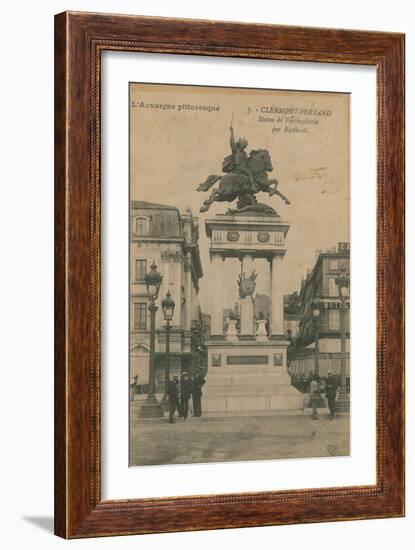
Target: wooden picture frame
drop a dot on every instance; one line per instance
(79, 40)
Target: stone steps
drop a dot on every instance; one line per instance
(281, 397)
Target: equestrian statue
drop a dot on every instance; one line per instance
(244, 177)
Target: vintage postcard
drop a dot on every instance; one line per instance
(239, 274)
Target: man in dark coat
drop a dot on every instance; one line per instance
(173, 394)
(331, 393)
(185, 392)
(197, 395)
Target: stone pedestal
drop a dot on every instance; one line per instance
(232, 333)
(261, 334)
(249, 376)
(247, 372)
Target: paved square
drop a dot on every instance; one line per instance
(213, 439)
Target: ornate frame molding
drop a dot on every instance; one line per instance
(79, 40)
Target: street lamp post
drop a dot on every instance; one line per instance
(168, 309)
(343, 283)
(151, 408)
(316, 314)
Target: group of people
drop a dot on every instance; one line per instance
(317, 388)
(179, 393)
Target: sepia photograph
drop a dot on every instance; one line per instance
(223, 190)
(239, 278)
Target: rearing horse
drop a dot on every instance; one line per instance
(239, 185)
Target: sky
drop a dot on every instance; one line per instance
(179, 135)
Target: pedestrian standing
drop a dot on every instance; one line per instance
(179, 396)
(133, 387)
(185, 393)
(173, 394)
(314, 394)
(197, 395)
(331, 393)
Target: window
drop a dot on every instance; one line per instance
(140, 270)
(334, 319)
(333, 291)
(142, 225)
(344, 264)
(140, 316)
(333, 265)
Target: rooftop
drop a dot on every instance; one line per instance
(135, 205)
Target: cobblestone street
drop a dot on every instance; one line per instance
(213, 439)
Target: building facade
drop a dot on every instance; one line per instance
(320, 283)
(161, 234)
(292, 316)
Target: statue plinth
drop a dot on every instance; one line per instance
(248, 371)
(257, 209)
(249, 376)
(233, 235)
(261, 334)
(231, 332)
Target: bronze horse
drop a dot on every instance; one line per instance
(237, 185)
